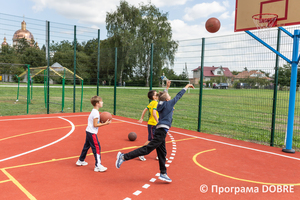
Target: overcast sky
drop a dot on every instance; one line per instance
(187, 17)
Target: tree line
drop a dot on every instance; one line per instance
(131, 30)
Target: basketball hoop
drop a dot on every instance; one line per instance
(264, 21)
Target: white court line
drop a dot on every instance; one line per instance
(152, 180)
(138, 192)
(224, 143)
(3, 120)
(146, 186)
(27, 152)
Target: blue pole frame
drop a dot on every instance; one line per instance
(293, 84)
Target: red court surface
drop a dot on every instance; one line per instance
(39, 152)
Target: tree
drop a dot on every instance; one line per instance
(133, 30)
(235, 72)
(22, 45)
(34, 57)
(155, 28)
(284, 75)
(122, 26)
(8, 55)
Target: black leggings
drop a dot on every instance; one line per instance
(158, 143)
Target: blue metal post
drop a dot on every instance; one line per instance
(290, 123)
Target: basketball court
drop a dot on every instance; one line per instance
(39, 153)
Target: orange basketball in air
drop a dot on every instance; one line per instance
(212, 25)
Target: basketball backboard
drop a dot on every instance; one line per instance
(287, 11)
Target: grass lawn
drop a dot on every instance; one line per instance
(244, 114)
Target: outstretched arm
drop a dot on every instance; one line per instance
(154, 115)
(189, 85)
(179, 95)
(168, 85)
(143, 114)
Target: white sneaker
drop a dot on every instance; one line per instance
(81, 163)
(100, 168)
(164, 177)
(142, 158)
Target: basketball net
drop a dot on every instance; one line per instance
(263, 22)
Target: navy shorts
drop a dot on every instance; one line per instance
(151, 132)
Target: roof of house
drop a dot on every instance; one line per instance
(208, 71)
(247, 74)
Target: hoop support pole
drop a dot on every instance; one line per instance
(292, 99)
(286, 32)
(268, 46)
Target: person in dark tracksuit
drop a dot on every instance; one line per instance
(91, 139)
(165, 109)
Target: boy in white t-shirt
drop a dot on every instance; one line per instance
(91, 139)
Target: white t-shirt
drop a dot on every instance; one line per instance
(90, 128)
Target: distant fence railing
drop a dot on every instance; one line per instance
(251, 107)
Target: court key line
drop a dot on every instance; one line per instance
(90, 154)
(27, 152)
(39, 131)
(231, 177)
(31, 118)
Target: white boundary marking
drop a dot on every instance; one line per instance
(224, 143)
(238, 146)
(3, 120)
(27, 152)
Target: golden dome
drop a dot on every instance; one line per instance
(4, 42)
(22, 33)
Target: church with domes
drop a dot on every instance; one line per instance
(20, 34)
(23, 33)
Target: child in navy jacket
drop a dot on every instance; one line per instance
(165, 109)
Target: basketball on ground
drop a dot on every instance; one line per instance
(212, 25)
(104, 116)
(132, 136)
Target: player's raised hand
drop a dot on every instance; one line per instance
(168, 83)
(189, 86)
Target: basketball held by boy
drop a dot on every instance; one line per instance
(91, 140)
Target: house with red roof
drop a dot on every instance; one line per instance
(251, 74)
(210, 73)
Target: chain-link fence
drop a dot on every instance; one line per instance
(45, 71)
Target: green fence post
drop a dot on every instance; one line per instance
(151, 67)
(201, 85)
(31, 86)
(74, 86)
(45, 91)
(28, 87)
(115, 84)
(98, 62)
(48, 65)
(275, 89)
(18, 87)
(81, 95)
(63, 91)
